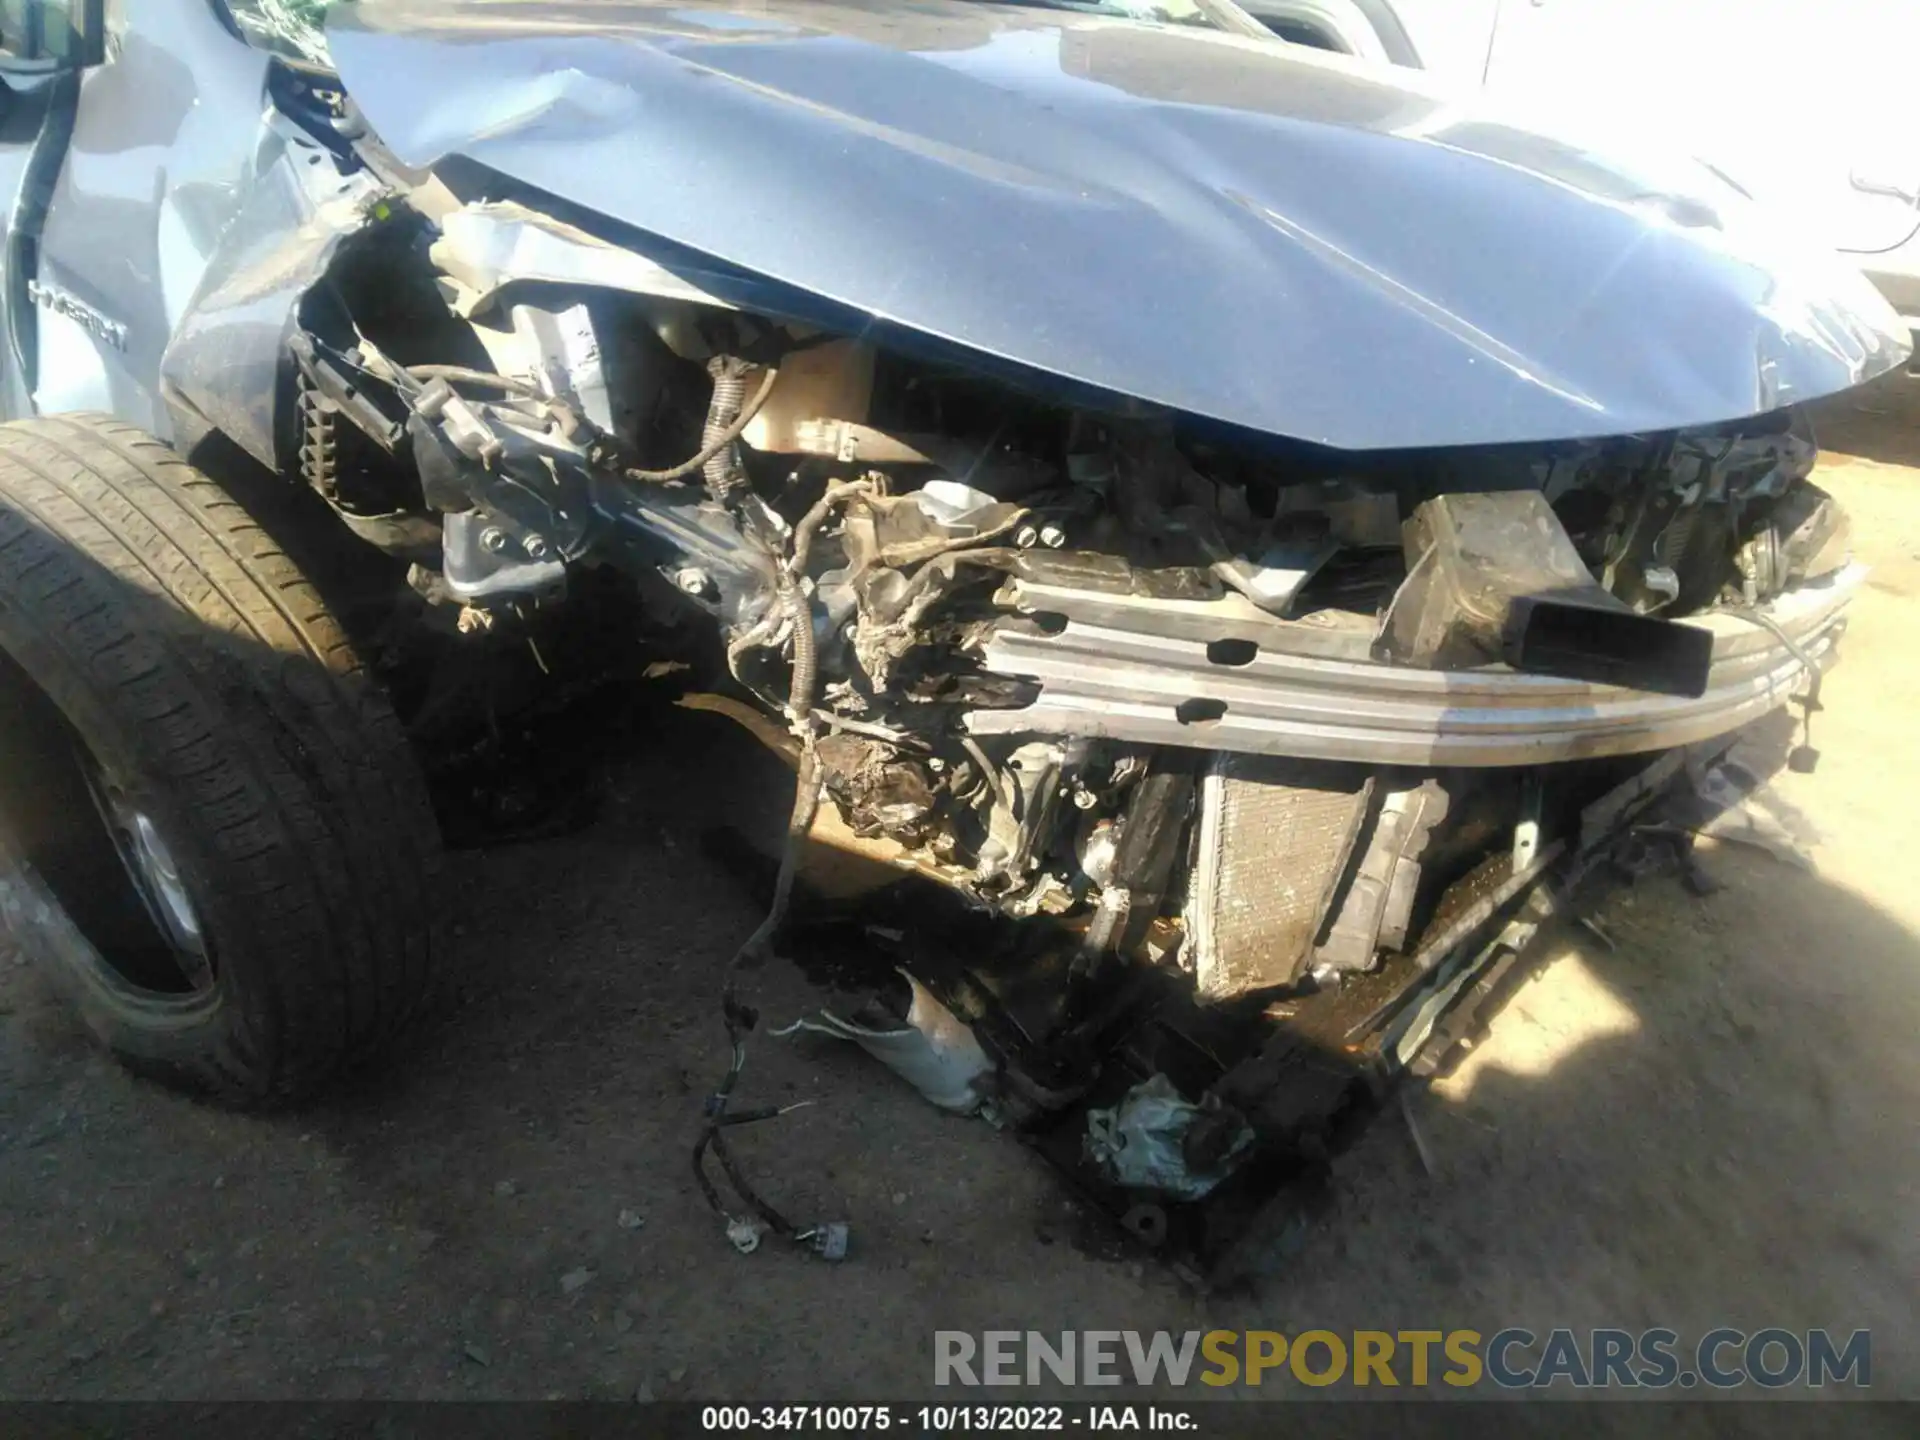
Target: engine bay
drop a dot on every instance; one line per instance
(1243, 746)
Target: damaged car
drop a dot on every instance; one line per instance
(1243, 532)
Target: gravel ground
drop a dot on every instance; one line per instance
(1712, 1122)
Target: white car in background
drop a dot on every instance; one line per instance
(1805, 104)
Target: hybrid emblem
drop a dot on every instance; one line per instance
(82, 314)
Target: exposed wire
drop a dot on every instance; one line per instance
(1413, 1133)
(834, 720)
(739, 1019)
(761, 632)
(1793, 647)
(1805, 756)
(837, 493)
(796, 610)
(962, 542)
(764, 631)
(989, 772)
(466, 375)
(718, 442)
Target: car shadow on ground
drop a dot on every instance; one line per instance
(1704, 1124)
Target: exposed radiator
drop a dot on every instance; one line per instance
(1273, 839)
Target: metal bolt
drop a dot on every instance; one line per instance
(1052, 536)
(1085, 799)
(693, 580)
(535, 546)
(493, 540)
(1025, 537)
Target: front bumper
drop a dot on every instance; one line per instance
(1155, 672)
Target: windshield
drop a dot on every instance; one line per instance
(296, 28)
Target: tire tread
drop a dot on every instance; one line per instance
(169, 606)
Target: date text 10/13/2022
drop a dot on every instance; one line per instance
(945, 1419)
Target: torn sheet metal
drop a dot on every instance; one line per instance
(934, 1051)
(486, 246)
(1757, 819)
(1733, 802)
(994, 176)
(1146, 1142)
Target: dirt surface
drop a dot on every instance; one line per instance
(1712, 1122)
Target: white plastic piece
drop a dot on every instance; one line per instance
(935, 1052)
(950, 503)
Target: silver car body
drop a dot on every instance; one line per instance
(1806, 104)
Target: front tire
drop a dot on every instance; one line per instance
(213, 833)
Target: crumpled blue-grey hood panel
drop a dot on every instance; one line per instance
(1223, 226)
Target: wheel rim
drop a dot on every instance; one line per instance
(154, 874)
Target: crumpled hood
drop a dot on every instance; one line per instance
(1228, 227)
